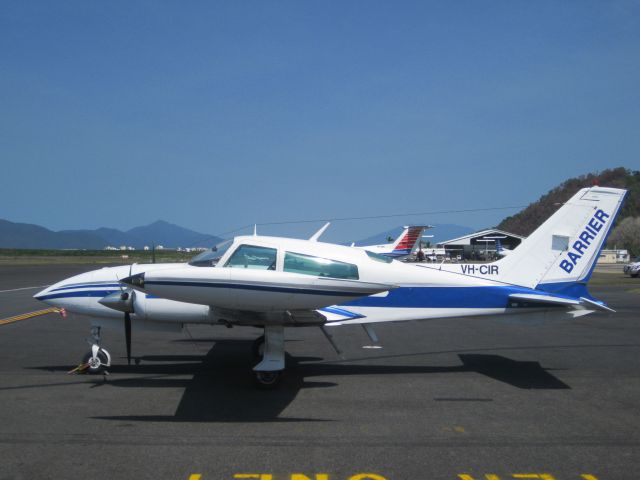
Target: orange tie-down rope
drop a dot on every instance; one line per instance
(5, 321)
(25, 316)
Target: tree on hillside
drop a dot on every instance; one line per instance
(526, 221)
(626, 236)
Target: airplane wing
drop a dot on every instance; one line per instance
(241, 289)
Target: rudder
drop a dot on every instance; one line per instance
(563, 251)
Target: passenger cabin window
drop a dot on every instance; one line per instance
(250, 256)
(319, 267)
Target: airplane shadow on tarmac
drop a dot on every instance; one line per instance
(221, 389)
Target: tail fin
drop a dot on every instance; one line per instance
(563, 251)
(406, 242)
(500, 250)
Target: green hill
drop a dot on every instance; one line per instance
(526, 221)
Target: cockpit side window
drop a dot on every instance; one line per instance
(251, 256)
(319, 267)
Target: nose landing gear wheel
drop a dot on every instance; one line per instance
(95, 365)
(268, 380)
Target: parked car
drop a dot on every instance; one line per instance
(632, 268)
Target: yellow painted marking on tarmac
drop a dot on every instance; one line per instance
(488, 476)
(459, 429)
(534, 476)
(258, 476)
(25, 316)
(367, 476)
(588, 476)
(195, 476)
(301, 476)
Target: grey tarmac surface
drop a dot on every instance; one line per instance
(441, 399)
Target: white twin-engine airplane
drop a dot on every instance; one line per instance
(273, 283)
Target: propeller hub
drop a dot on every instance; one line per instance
(120, 301)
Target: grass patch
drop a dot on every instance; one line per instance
(615, 279)
(57, 257)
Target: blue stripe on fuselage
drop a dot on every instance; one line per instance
(88, 285)
(569, 289)
(442, 297)
(341, 311)
(84, 294)
(81, 294)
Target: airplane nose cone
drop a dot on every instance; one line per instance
(42, 294)
(136, 281)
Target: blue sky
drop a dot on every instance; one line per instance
(214, 115)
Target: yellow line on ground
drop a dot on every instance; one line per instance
(25, 316)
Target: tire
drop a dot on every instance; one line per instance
(97, 367)
(267, 380)
(257, 348)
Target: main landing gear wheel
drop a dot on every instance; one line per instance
(269, 347)
(257, 348)
(95, 365)
(268, 380)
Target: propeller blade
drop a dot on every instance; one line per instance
(127, 335)
(119, 284)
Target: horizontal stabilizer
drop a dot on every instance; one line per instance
(548, 299)
(599, 306)
(560, 301)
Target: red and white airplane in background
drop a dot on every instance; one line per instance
(405, 244)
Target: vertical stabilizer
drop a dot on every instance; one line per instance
(563, 251)
(409, 239)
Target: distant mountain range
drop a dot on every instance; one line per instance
(25, 235)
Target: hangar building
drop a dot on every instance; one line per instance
(480, 245)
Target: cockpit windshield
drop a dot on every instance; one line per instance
(211, 256)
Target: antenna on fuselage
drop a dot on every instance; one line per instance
(315, 236)
(255, 229)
